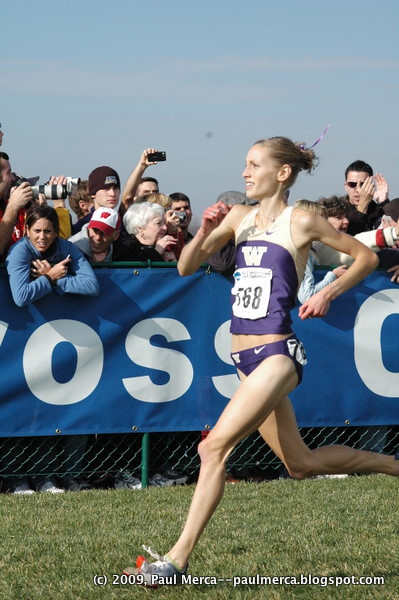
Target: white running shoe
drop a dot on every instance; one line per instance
(179, 478)
(161, 481)
(125, 480)
(160, 572)
(50, 485)
(22, 488)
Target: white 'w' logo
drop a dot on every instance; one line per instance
(253, 255)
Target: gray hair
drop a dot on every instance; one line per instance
(138, 216)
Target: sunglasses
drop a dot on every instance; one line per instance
(353, 184)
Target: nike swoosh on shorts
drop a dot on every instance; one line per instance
(257, 350)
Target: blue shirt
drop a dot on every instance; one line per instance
(25, 289)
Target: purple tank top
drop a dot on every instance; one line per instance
(268, 270)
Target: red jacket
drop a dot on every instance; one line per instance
(18, 233)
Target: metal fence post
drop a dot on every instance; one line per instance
(145, 459)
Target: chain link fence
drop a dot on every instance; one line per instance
(98, 459)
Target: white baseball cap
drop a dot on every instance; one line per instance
(105, 219)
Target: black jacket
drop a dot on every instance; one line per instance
(129, 248)
(359, 222)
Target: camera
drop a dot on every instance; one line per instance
(52, 192)
(182, 216)
(57, 192)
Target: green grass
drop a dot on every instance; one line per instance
(52, 546)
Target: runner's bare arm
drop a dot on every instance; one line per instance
(217, 227)
(311, 227)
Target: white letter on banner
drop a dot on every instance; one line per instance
(37, 361)
(3, 330)
(143, 353)
(367, 340)
(225, 384)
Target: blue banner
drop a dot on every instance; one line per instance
(352, 376)
(152, 353)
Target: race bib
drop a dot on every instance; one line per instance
(252, 291)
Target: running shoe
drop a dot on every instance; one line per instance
(74, 485)
(125, 480)
(179, 478)
(160, 572)
(21, 487)
(50, 485)
(167, 479)
(161, 481)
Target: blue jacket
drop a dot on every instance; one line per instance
(80, 278)
(308, 286)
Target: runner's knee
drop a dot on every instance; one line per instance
(211, 452)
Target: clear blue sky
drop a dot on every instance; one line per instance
(88, 82)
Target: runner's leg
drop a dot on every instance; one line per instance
(280, 432)
(256, 397)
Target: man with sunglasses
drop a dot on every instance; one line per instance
(366, 195)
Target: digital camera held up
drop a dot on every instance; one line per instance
(182, 216)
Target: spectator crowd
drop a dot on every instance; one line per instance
(51, 235)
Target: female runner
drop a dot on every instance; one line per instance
(272, 246)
